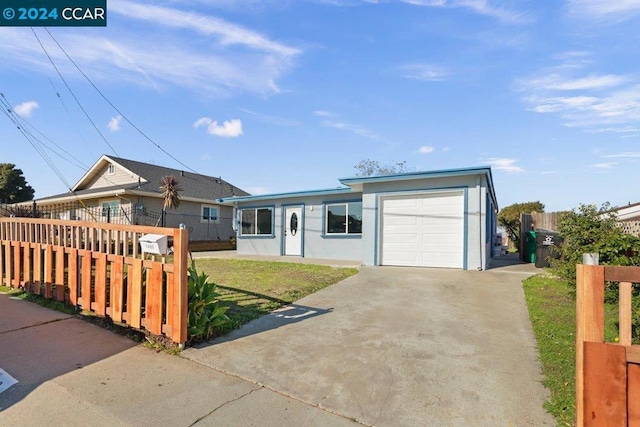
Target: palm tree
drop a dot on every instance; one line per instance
(170, 188)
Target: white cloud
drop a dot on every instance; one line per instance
(114, 124)
(504, 164)
(322, 113)
(625, 129)
(352, 128)
(627, 154)
(445, 149)
(200, 52)
(25, 109)
(271, 119)
(605, 165)
(560, 83)
(424, 72)
(228, 128)
(595, 102)
(426, 149)
(619, 9)
(481, 7)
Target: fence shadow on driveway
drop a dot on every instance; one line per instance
(287, 315)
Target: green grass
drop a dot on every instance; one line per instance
(37, 299)
(254, 288)
(552, 311)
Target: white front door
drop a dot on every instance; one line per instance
(293, 230)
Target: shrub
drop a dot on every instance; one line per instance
(589, 229)
(205, 315)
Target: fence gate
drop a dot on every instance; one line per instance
(607, 374)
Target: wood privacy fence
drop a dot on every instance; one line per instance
(607, 374)
(98, 267)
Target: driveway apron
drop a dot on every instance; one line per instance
(399, 346)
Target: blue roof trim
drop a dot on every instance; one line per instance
(294, 194)
(444, 173)
(415, 175)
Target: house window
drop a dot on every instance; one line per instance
(256, 221)
(111, 209)
(209, 213)
(344, 218)
(111, 169)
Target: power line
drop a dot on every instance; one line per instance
(71, 91)
(71, 117)
(11, 114)
(116, 108)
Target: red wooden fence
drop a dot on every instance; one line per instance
(99, 267)
(607, 374)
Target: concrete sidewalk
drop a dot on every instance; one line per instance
(73, 373)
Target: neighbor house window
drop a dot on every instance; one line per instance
(209, 213)
(256, 221)
(111, 209)
(344, 218)
(111, 170)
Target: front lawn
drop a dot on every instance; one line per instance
(254, 288)
(552, 309)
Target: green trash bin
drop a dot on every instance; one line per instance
(530, 247)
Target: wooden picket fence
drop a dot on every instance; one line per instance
(98, 267)
(607, 374)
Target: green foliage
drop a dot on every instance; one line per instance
(13, 185)
(591, 229)
(374, 168)
(205, 315)
(509, 218)
(552, 309)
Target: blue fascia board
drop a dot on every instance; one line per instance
(291, 195)
(444, 173)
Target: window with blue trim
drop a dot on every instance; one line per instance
(256, 221)
(343, 218)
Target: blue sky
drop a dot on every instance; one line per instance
(289, 95)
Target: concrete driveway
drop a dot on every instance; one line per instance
(399, 347)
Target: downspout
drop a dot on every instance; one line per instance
(480, 240)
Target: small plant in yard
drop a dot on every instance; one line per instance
(206, 315)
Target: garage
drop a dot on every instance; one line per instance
(423, 230)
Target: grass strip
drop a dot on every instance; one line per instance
(552, 309)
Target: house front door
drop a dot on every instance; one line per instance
(293, 230)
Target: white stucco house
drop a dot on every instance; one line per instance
(441, 218)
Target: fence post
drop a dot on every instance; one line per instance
(589, 322)
(181, 290)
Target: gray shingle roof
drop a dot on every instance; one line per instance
(193, 185)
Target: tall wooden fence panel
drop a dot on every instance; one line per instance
(99, 268)
(607, 374)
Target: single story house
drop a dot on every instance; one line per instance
(442, 218)
(125, 191)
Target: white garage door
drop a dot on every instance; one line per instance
(425, 230)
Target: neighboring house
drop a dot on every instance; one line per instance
(128, 192)
(444, 218)
(631, 212)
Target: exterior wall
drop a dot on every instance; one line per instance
(190, 214)
(315, 243)
(474, 211)
(103, 179)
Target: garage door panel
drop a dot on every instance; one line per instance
(424, 230)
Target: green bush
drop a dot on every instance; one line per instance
(589, 229)
(205, 315)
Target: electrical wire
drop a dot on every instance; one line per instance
(124, 116)
(71, 91)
